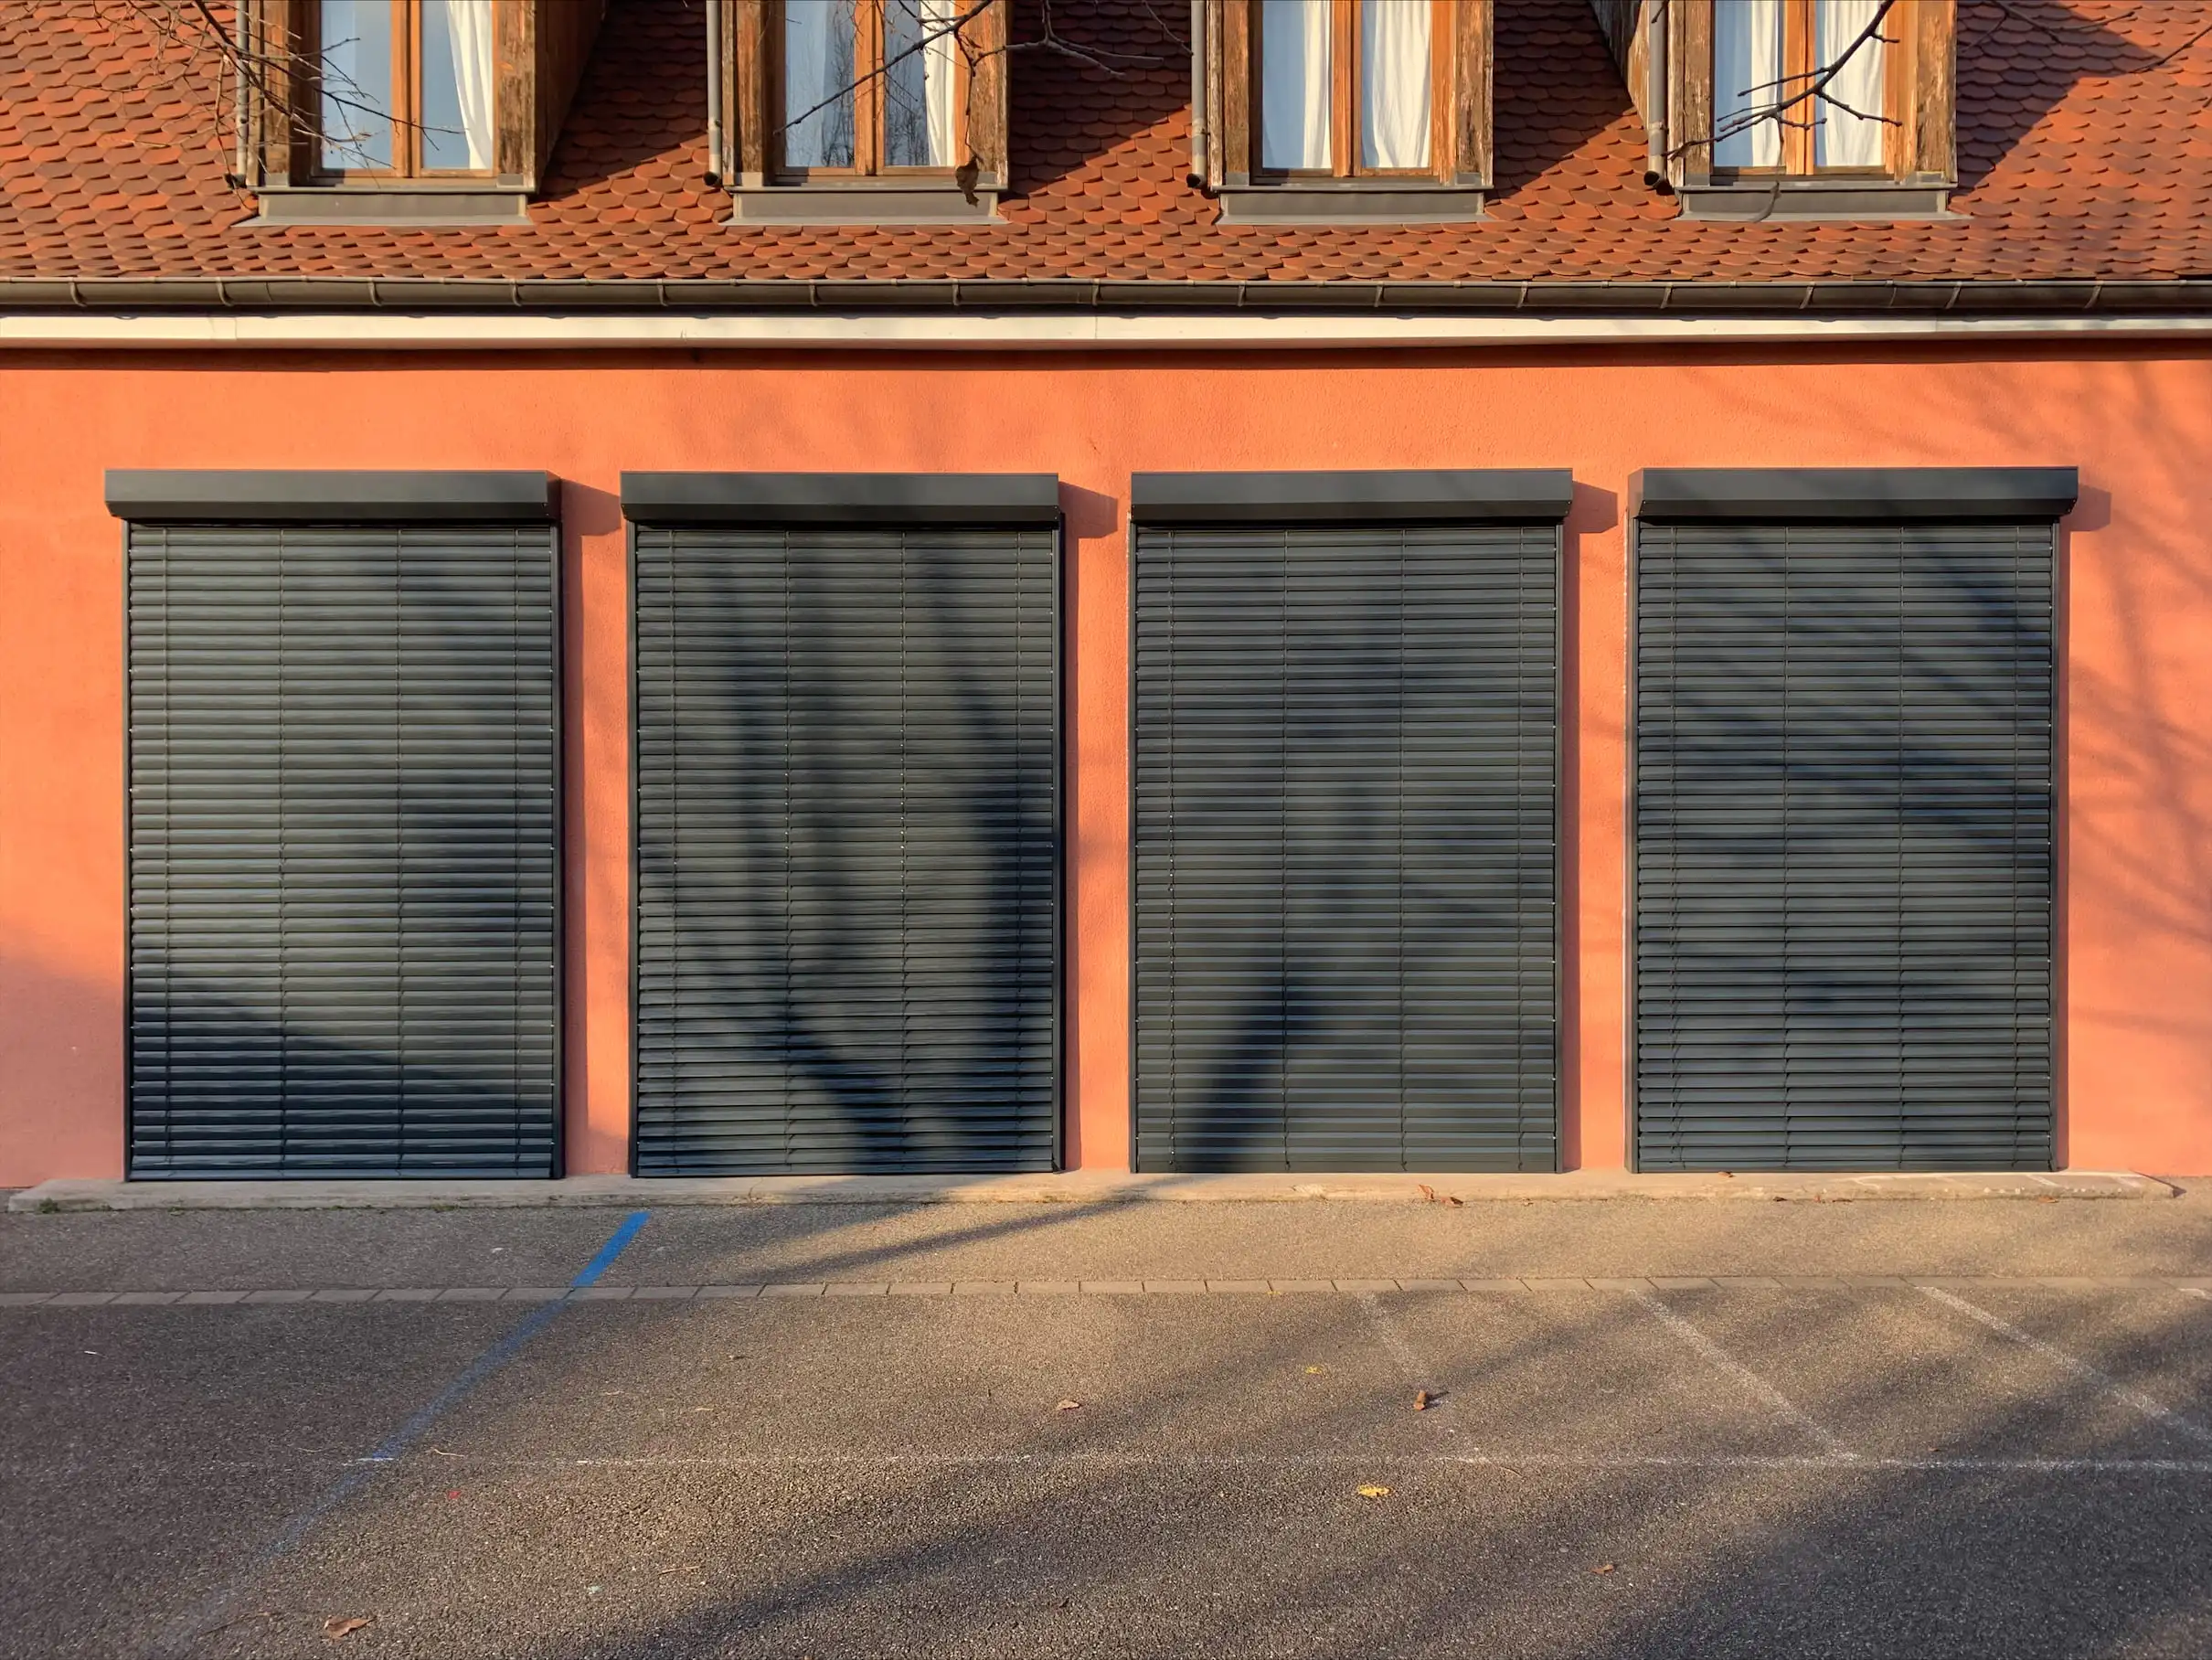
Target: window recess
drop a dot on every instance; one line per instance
(1791, 109)
(405, 111)
(1336, 110)
(860, 111)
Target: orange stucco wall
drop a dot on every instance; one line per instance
(2136, 575)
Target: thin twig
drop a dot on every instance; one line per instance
(1815, 90)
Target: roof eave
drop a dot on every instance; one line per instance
(1804, 300)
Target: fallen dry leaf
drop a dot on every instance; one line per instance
(1422, 1400)
(1315, 1371)
(1068, 1406)
(1374, 1492)
(1603, 1568)
(1434, 1197)
(339, 1625)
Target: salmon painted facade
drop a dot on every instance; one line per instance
(1517, 608)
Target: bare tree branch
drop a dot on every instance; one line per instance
(1813, 93)
(193, 30)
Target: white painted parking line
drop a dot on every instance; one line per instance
(1831, 1463)
(1723, 1361)
(2157, 1411)
(1840, 1463)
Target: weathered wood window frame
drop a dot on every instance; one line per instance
(1677, 102)
(749, 37)
(539, 50)
(404, 100)
(1229, 162)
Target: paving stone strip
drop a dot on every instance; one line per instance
(2195, 1286)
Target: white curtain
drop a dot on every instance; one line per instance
(457, 84)
(1850, 137)
(921, 58)
(356, 75)
(1747, 73)
(1394, 81)
(1294, 84)
(818, 70)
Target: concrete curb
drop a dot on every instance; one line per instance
(824, 1290)
(1078, 1189)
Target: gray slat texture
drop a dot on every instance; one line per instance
(1346, 847)
(847, 849)
(1844, 814)
(343, 851)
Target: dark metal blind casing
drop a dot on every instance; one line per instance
(1346, 847)
(1843, 862)
(846, 750)
(344, 819)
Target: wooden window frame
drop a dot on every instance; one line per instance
(1799, 138)
(752, 112)
(870, 134)
(1918, 96)
(540, 48)
(405, 102)
(1459, 105)
(1346, 87)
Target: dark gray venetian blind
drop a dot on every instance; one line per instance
(1346, 845)
(343, 837)
(1843, 822)
(847, 845)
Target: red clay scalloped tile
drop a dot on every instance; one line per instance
(2085, 143)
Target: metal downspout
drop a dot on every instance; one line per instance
(1200, 136)
(241, 157)
(1656, 171)
(716, 174)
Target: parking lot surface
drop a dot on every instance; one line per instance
(1980, 1429)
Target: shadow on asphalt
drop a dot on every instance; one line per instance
(1214, 1511)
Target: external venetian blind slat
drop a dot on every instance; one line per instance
(1346, 847)
(1844, 857)
(847, 850)
(342, 866)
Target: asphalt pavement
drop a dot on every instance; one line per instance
(1650, 1428)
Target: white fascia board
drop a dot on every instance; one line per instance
(431, 331)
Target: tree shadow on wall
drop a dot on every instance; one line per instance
(341, 950)
(847, 853)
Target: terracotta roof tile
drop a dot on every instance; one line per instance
(2085, 130)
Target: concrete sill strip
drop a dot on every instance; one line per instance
(1073, 1187)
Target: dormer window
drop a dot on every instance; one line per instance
(1801, 87)
(1793, 109)
(871, 87)
(404, 90)
(1346, 88)
(1362, 111)
(407, 111)
(858, 112)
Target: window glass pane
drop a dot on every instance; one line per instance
(1294, 83)
(1746, 77)
(1850, 129)
(818, 83)
(921, 64)
(357, 84)
(457, 84)
(1394, 77)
